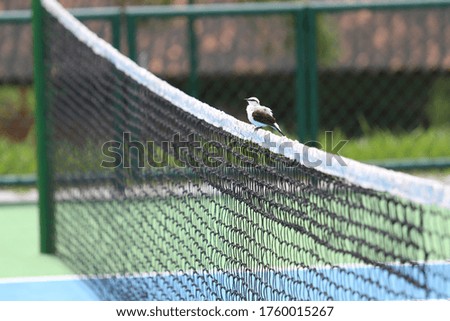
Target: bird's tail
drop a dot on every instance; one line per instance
(278, 128)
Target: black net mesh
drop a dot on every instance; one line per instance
(187, 211)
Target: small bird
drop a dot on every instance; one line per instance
(261, 116)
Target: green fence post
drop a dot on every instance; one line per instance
(46, 215)
(193, 59)
(131, 37)
(300, 77)
(116, 31)
(312, 75)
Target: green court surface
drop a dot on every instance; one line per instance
(20, 257)
(19, 244)
(19, 236)
(168, 223)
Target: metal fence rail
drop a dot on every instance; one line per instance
(305, 87)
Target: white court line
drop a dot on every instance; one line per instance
(55, 278)
(48, 278)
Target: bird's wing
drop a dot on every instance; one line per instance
(267, 110)
(263, 117)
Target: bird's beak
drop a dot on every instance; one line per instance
(246, 99)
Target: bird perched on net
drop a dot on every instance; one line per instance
(261, 116)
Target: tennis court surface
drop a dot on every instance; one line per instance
(25, 274)
(197, 205)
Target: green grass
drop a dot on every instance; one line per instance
(381, 144)
(18, 158)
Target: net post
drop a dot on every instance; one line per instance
(193, 61)
(131, 37)
(312, 75)
(46, 215)
(300, 76)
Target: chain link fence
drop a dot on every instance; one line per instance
(237, 57)
(390, 80)
(381, 80)
(17, 148)
(17, 101)
(387, 65)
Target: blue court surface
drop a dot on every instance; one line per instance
(354, 279)
(25, 274)
(45, 289)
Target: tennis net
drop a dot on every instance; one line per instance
(158, 196)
